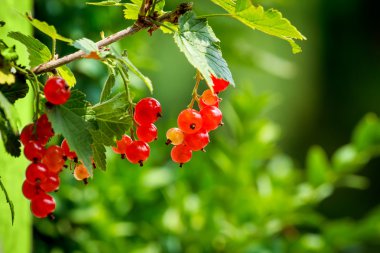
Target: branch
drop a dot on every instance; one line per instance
(49, 66)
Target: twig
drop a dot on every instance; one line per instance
(10, 203)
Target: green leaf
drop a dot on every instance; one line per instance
(66, 74)
(107, 87)
(99, 152)
(137, 72)
(132, 10)
(9, 54)
(197, 41)
(9, 112)
(111, 126)
(47, 29)
(38, 52)
(9, 137)
(68, 120)
(317, 166)
(366, 135)
(17, 90)
(268, 21)
(86, 45)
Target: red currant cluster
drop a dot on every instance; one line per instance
(194, 126)
(147, 111)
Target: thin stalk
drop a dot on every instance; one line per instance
(10, 203)
(195, 96)
(215, 15)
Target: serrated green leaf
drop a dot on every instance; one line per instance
(66, 74)
(9, 112)
(47, 29)
(107, 87)
(86, 45)
(111, 126)
(106, 3)
(132, 10)
(99, 152)
(137, 72)
(68, 120)
(38, 52)
(197, 41)
(17, 90)
(317, 166)
(268, 21)
(9, 54)
(9, 137)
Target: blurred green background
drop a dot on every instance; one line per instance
(264, 184)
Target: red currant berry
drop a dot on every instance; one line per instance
(181, 154)
(147, 132)
(81, 172)
(174, 136)
(209, 98)
(42, 205)
(189, 121)
(53, 159)
(44, 129)
(147, 111)
(212, 117)
(30, 191)
(34, 151)
(219, 84)
(137, 152)
(56, 90)
(122, 144)
(67, 152)
(198, 140)
(28, 135)
(51, 183)
(36, 173)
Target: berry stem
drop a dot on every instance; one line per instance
(195, 96)
(10, 203)
(53, 48)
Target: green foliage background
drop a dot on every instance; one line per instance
(264, 184)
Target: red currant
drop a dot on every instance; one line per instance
(198, 140)
(44, 129)
(81, 172)
(181, 154)
(122, 144)
(219, 84)
(137, 152)
(174, 136)
(51, 183)
(212, 117)
(42, 205)
(66, 150)
(189, 121)
(30, 191)
(27, 134)
(56, 90)
(34, 151)
(147, 132)
(147, 111)
(208, 98)
(36, 173)
(53, 159)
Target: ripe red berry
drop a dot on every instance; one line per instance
(174, 136)
(27, 134)
(189, 121)
(34, 151)
(56, 90)
(212, 117)
(122, 144)
(137, 152)
(198, 140)
(30, 191)
(81, 172)
(42, 205)
(219, 84)
(181, 154)
(51, 183)
(147, 132)
(53, 159)
(36, 173)
(44, 129)
(147, 111)
(67, 152)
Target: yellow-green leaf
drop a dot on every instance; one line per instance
(66, 74)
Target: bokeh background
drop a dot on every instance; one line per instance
(293, 169)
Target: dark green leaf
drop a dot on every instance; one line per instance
(197, 41)
(107, 88)
(38, 52)
(10, 139)
(317, 166)
(68, 120)
(17, 90)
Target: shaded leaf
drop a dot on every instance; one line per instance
(317, 166)
(107, 87)
(10, 139)
(17, 90)
(197, 41)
